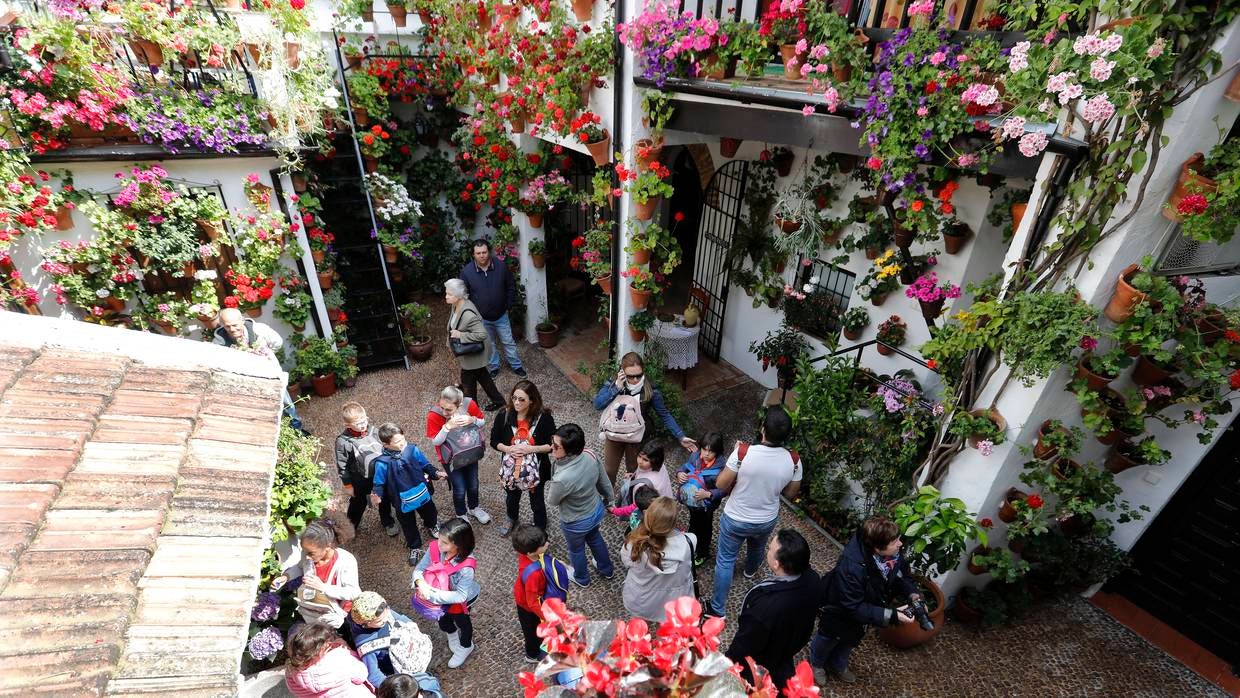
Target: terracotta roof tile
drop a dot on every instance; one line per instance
(25, 504)
(64, 573)
(68, 672)
(83, 609)
(166, 380)
(86, 490)
(14, 539)
(15, 357)
(141, 430)
(209, 686)
(137, 459)
(224, 455)
(35, 465)
(154, 403)
(18, 402)
(99, 529)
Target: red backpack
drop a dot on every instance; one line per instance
(742, 447)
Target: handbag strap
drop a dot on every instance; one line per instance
(697, 589)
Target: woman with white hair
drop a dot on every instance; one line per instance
(468, 341)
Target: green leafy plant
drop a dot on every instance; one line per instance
(938, 530)
(855, 319)
(641, 320)
(658, 108)
(892, 331)
(418, 316)
(537, 246)
(980, 426)
(298, 493)
(317, 357)
(780, 348)
(1002, 565)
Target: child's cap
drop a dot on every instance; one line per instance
(368, 606)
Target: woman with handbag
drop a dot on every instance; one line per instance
(469, 343)
(625, 403)
(523, 432)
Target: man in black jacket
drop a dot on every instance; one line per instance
(777, 615)
(870, 574)
(494, 292)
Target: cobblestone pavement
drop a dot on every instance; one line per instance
(1069, 649)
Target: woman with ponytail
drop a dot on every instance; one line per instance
(660, 562)
(327, 573)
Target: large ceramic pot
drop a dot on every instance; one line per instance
(906, 635)
(324, 386)
(421, 348)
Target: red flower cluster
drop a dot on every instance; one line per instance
(251, 290)
(588, 128)
(945, 195)
(1232, 336)
(1234, 380)
(1192, 205)
(986, 523)
(1034, 501)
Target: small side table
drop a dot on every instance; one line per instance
(679, 343)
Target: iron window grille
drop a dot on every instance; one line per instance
(826, 289)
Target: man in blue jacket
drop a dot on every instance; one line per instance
(494, 292)
(402, 471)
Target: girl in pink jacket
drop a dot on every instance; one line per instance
(321, 666)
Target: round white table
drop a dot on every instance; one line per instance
(679, 343)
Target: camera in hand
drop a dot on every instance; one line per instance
(917, 609)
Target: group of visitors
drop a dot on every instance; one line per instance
(353, 643)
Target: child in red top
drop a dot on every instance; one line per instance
(530, 542)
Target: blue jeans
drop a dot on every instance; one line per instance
(500, 332)
(290, 411)
(464, 480)
(829, 653)
(731, 534)
(577, 535)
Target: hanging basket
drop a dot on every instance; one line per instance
(645, 211)
(729, 146)
(788, 226)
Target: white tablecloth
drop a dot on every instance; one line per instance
(679, 343)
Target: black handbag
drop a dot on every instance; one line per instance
(460, 348)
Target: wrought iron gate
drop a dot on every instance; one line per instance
(721, 212)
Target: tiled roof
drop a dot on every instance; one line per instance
(134, 473)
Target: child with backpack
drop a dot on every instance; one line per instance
(444, 586)
(454, 427)
(539, 577)
(387, 642)
(622, 424)
(695, 488)
(402, 471)
(635, 497)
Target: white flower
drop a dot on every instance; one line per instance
(102, 293)
(205, 275)
(814, 280)
(808, 288)
(92, 268)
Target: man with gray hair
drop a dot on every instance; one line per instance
(240, 332)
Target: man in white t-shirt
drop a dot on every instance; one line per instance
(754, 480)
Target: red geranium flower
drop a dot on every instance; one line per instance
(986, 523)
(1232, 336)
(1192, 205)
(1034, 501)
(1234, 381)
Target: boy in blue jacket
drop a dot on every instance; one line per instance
(695, 488)
(403, 470)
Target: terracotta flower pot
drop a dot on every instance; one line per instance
(64, 218)
(1095, 381)
(325, 279)
(292, 54)
(1007, 512)
(604, 282)
(390, 254)
(641, 257)
(907, 635)
(931, 310)
(324, 386)
(1233, 89)
(1188, 183)
(792, 66)
(955, 237)
(715, 69)
(548, 338)
(147, 52)
(904, 237)
(636, 334)
(370, 164)
(884, 349)
(1040, 448)
(318, 256)
(300, 183)
(878, 299)
(852, 335)
(640, 299)
(425, 16)
(600, 150)
(975, 568)
(783, 163)
(788, 226)
(1119, 460)
(1148, 372)
(368, 15)
(583, 10)
(841, 72)
(872, 253)
(294, 390)
(993, 416)
(1064, 468)
(728, 146)
(361, 117)
(1125, 297)
(254, 311)
(115, 304)
(399, 14)
(538, 260)
(648, 150)
(421, 348)
(1018, 214)
(645, 211)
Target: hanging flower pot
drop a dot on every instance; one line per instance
(115, 304)
(931, 310)
(600, 150)
(583, 10)
(1125, 297)
(788, 226)
(1149, 372)
(147, 52)
(64, 218)
(318, 256)
(538, 260)
(955, 237)
(728, 146)
(325, 278)
(1064, 468)
(360, 116)
(368, 15)
(535, 218)
(371, 164)
(1122, 458)
(853, 335)
(640, 299)
(1018, 214)
(636, 334)
(389, 254)
(783, 162)
(641, 257)
(792, 66)
(1188, 183)
(884, 349)
(645, 211)
(254, 311)
(648, 151)
(300, 183)
(779, 265)
(399, 14)
(517, 120)
(1007, 510)
(355, 61)
(1095, 381)
(841, 72)
(994, 417)
(904, 237)
(324, 386)
(425, 16)
(872, 253)
(604, 282)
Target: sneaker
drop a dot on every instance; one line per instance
(481, 516)
(583, 585)
(415, 555)
(392, 530)
(520, 372)
(507, 527)
(532, 659)
(846, 676)
(750, 575)
(820, 676)
(709, 612)
(608, 576)
(494, 373)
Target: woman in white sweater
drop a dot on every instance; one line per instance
(660, 562)
(328, 574)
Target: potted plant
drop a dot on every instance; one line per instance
(1192, 181)
(845, 44)
(538, 253)
(891, 333)
(1211, 214)
(647, 186)
(1128, 454)
(1007, 508)
(782, 158)
(982, 607)
(658, 107)
(368, 98)
(984, 429)
(1055, 438)
(642, 284)
(1133, 287)
(415, 320)
(548, 333)
(882, 278)
(294, 304)
(855, 320)
(588, 130)
(1031, 521)
(542, 193)
(399, 13)
(317, 358)
(1002, 565)
(782, 348)
(639, 323)
(1097, 370)
(931, 295)
(785, 28)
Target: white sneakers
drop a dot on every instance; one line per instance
(459, 654)
(481, 516)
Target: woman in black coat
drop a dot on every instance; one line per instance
(522, 433)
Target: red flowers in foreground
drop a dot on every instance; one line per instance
(1192, 205)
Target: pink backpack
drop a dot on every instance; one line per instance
(439, 575)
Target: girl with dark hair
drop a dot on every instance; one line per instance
(695, 487)
(327, 573)
(522, 433)
(444, 586)
(320, 665)
(622, 434)
(660, 562)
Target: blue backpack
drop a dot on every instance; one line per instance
(556, 573)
